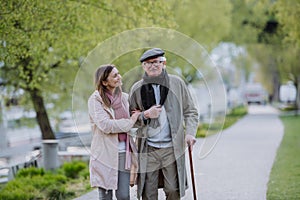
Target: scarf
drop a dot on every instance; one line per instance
(147, 93)
(119, 110)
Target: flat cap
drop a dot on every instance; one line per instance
(152, 53)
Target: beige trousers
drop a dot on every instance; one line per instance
(161, 159)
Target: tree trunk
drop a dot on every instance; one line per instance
(275, 77)
(41, 114)
(276, 86)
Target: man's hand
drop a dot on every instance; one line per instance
(190, 140)
(153, 112)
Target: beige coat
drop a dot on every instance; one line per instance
(104, 146)
(183, 119)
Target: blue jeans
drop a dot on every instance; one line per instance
(122, 193)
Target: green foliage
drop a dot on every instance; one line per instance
(249, 19)
(245, 64)
(73, 169)
(287, 13)
(289, 65)
(288, 107)
(43, 42)
(36, 187)
(235, 114)
(30, 31)
(274, 25)
(30, 172)
(255, 26)
(206, 129)
(205, 21)
(85, 173)
(35, 183)
(238, 111)
(22, 122)
(284, 179)
(54, 192)
(23, 193)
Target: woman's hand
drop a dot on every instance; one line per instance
(135, 115)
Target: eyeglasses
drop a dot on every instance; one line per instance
(155, 63)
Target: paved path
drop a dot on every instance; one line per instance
(239, 165)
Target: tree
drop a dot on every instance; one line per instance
(268, 72)
(42, 42)
(289, 68)
(270, 29)
(248, 20)
(287, 13)
(31, 36)
(254, 25)
(206, 21)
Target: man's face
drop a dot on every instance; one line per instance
(153, 67)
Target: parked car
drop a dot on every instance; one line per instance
(255, 93)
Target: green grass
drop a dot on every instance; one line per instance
(284, 182)
(205, 129)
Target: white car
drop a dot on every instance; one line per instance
(255, 93)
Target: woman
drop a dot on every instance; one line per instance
(111, 147)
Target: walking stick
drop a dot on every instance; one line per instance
(192, 173)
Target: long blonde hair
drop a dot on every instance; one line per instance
(101, 75)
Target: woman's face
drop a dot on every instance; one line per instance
(113, 80)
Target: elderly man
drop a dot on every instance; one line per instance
(169, 120)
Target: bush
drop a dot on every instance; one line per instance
(57, 178)
(85, 173)
(30, 172)
(19, 189)
(47, 180)
(57, 192)
(16, 195)
(35, 183)
(73, 169)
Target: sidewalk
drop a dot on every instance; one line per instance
(239, 165)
